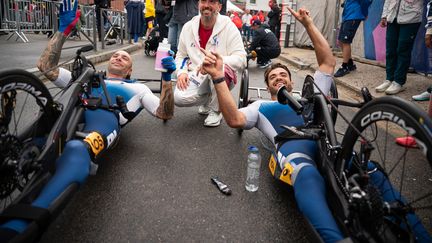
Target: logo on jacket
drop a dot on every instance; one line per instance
(215, 41)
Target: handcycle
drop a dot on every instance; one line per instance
(363, 212)
(34, 128)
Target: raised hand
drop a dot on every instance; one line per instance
(212, 64)
(68, 16)
(169, 64)
(302, 15)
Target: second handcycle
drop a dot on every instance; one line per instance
(347, 161)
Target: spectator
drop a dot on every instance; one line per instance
(99, 5)
(162, 9)
(210, 31)
(410, 141)
(425, 96)
(183, 11)
(135, 19)
(264, 44)
(402, 18)
(354, 11)
(236, 20)
(150, 14)
(260, 15)
(274, 17)
(246, 20)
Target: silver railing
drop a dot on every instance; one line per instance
(41, 16)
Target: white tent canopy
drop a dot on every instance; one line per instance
(233, 8)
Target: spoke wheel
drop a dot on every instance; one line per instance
(308, 93)
(408, 168)
(243, 100)
(26, 116)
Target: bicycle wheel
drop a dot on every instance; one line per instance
(407, 168)
(308, 93)
(26, 116)
(243, 93)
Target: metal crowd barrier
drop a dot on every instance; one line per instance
(19, 16)
(22, 16)
(114, 26)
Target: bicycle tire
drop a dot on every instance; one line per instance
(308, 92)
(243, 99)
(22, 142)
(399, 118)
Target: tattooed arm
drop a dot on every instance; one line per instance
(51, 55)
(166, 104)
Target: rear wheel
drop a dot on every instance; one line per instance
(408, 168)
(243, 100)
(26, 116)
(308, 93)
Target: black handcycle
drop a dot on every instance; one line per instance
(34, 128)
(368, 145)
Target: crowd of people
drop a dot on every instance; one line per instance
(402, 20)
(170, 16)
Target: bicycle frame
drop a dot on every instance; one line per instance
(65, 127)
(329, 150)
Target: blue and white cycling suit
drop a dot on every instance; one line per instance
(308, 184)
(73, 166)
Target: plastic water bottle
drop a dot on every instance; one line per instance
(253, 169)
(162, 51)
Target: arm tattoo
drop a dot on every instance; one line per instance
(51, 56)
(166, 104)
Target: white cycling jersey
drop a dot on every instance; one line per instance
(136, 95)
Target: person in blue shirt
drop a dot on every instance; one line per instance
(76, 162)
(354, 11)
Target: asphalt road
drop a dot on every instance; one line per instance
(154, 186)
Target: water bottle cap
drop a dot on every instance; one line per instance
(252, 149)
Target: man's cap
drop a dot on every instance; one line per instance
(256, 22)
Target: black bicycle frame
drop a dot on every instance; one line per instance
(329, 149)
(65, 127)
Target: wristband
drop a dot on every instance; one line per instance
(166, 76)
(218, 80)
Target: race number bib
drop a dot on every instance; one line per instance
(272, 165)
(96, 142)
(286, 174)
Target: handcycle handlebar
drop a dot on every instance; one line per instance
(284, 97)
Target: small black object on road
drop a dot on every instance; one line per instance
(221, 186)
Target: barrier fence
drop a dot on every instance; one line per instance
(19, 17)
